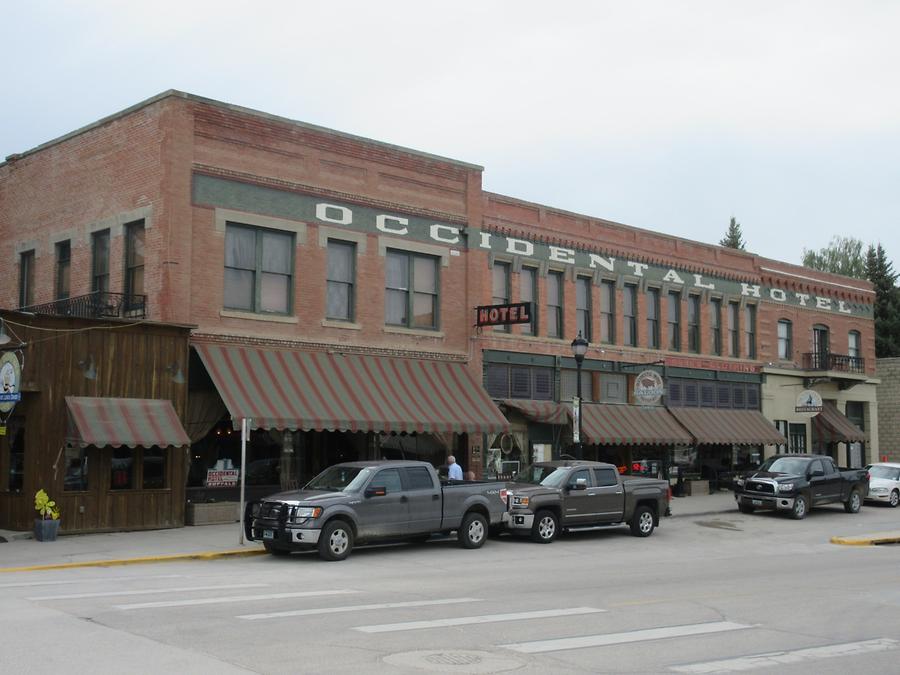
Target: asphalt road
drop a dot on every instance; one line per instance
(707, 594)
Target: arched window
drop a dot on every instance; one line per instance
(785, 340)
(853, 344)
(821, 346)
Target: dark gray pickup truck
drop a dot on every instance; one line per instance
(571, 494)
(796, 483)
(360, 502)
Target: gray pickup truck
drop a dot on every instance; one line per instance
(571, 494)
(361, 502)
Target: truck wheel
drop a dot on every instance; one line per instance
(335, 540)
(545, 527)
(642, 522)
(853, 502)
(800, 508)
(745, 508)
(274, 550)
(895, 499)
(473, 531)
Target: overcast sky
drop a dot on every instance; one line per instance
(671, 116)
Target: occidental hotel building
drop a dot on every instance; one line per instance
(323, 287)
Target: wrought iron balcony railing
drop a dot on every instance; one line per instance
(97, 305)
(839, 362)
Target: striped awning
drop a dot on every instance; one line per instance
(546, 412)
(832, 426)
(131, 422)
(281, 389)
(608, 424)
(711, 426)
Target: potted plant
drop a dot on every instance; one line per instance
(45, 527)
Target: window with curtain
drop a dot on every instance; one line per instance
(629, 328)
(583, 301)
(554, 304)
(528, 293)
(63, 269)
(734, 347)
(134, 262)
(694, 323)
(750, 331)
(411, 290)
(26, 278)
(785, 340)
(653, 318)
(258, 269)
(100, 261)
(500, 283)
(715, 325)
(608, 311)
(673, 312)
(340, 282)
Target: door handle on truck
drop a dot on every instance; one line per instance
(404, 498)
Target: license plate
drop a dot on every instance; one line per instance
(755, 502)
(268, 534)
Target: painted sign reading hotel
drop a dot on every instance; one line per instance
(238, 196)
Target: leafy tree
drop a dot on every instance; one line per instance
(734, 238)
(879, 270)
(843, 255)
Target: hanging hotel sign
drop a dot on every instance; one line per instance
(648, 387)
(503, 315)
(809, 402)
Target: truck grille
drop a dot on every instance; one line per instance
(754, 486)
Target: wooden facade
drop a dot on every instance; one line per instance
(67, 356)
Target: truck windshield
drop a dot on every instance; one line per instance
(339, 479)
(548, 476)
(785, 465)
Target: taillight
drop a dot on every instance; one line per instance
(504, 496)
(669, 494)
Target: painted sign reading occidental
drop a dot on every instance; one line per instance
(240, 196)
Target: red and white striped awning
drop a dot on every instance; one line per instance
(131, 422)
(545, 412)
(281, 389)
(833, 426)
(728, 427)
(611, 424)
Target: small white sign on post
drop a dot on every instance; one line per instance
(576, 419)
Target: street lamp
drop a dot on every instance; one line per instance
(579, 349)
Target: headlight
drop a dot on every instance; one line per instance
(739, 482)
(306, 512)
(879, 491)
(785, 487)
(519, 501)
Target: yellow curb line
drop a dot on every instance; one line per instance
(870, 541)
(207, 555)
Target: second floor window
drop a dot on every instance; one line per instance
(674, 321)
(694, 323)
(411, 292)
(750, 331)
(608, 312)
(26, 279)
(715, 325)
(500, 283)
(653, 318)
(341, 273)
(258, 269)
(629, 312)
(853, 344)
(734, 346)
(63, 269)
(100, 262)
(528, 293)
(583, 301)
(134, 259)
(785, 340)
(554, 304)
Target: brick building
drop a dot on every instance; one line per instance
(888, 371)
(331, 281)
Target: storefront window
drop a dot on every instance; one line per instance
(16, 437)
(154, 477)
(122, 469)
(76, 479)
(216, 460)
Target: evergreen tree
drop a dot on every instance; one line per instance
(734, 238)
(843, 255)
(879, 270)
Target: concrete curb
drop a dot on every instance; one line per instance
(204, 555)
(868, 540)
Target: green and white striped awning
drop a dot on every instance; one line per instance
(132, 422)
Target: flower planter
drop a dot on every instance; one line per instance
(211, 513)
(46, 530)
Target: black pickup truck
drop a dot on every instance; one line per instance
(797, 483)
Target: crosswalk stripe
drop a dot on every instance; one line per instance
(774, 660)
(230, 598)
(485, 618)
(357, 608)
(151, 591)
(561, 644)
(75, 581)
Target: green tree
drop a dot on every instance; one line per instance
(734, 238)
(843, 255)
(879, 270)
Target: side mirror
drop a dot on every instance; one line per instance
(579, 484)
(376, 491)
(817, 473)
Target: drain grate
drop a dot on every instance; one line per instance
(460, 661)
(454, 659)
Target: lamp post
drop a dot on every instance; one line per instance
(579, 349)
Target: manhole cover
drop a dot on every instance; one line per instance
(457, 661)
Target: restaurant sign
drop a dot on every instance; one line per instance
(503, 315)
(809, 402)
(648, 387)
(10, 379)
